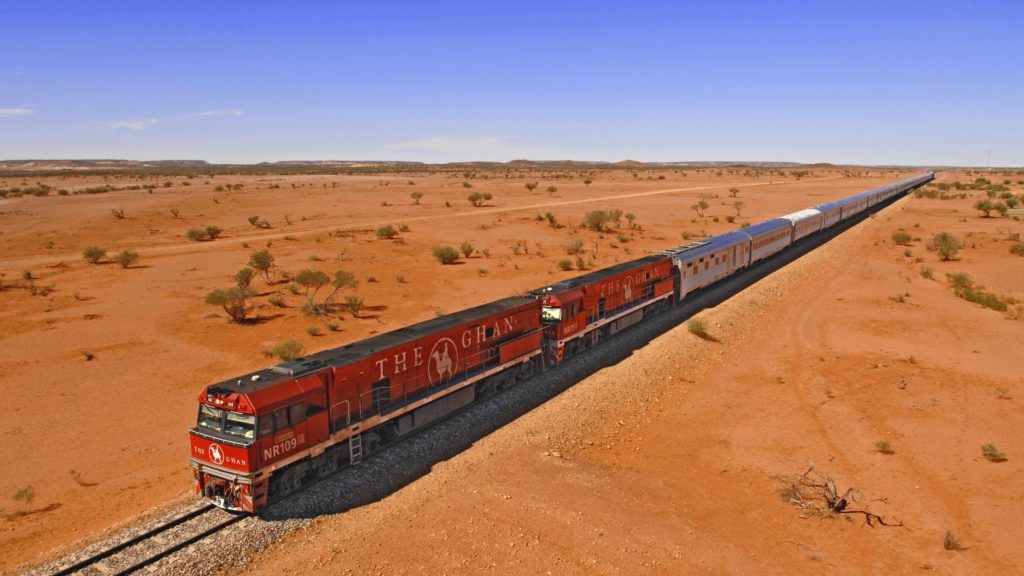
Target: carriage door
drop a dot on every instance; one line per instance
(600, 308)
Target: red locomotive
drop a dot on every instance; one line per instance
(578, 313)
(262, 435)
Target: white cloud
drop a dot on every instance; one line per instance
(459, 144)
(225, 112)
(135, 124)
(16, 112)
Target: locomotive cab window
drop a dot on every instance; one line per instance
(226, 422)
(210, 417)
(550, 314)
(238, 424)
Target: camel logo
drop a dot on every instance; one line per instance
(628, 289)
(444, 359)
(216, 454)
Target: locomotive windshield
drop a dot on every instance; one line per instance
(226, 422)
(550, 314)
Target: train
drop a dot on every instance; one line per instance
(264, 434)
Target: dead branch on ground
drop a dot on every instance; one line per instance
(817, 495)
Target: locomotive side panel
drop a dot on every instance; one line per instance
(389, 378)
(622, 291)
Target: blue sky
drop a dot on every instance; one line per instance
(846, 82)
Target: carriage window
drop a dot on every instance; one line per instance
(488, 333)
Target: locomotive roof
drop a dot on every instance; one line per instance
(364, 348)
(598, 275)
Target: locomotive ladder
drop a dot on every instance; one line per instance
(355, 449)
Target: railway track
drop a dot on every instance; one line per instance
(152, 545)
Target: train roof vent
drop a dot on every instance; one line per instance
(297, 367)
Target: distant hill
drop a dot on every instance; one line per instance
(113, 166)
(97, 164)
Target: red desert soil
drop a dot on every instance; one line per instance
(669, 462)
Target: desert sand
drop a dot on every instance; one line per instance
(672, 461)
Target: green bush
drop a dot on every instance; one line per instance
(386, 232)
(698, 328)
(596, 220)
(25, 495)
(234, 300)
(126, 258)
(93, 254)
(466, 248)
(902, 238)
(244, 277)
(257, 222)
(964, 287)
(946, 244)
(288, 351)
(992, 454)
(1017, 248)
(445, 254)
(312, 279)
(984, 205)
(354, 304)
(564, 265)
(203, 234)
(262, 261)
(478, 198)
